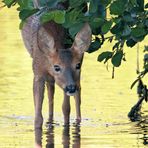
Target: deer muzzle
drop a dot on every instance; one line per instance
(70, 90)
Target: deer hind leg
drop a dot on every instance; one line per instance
(50, 89)
(66, 109)
(38, 91)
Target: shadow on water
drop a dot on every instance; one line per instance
(136, 115)
(141, 127)
(72, 138)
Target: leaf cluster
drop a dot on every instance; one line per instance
(126, 21)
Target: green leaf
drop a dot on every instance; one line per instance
(94, 46)
(76, 3)
(130, 42)
(58, 16)
(73, 30)
(127, 17)
(116, 46)
(146, 67)
(105, 2)
(9, 3)
(93, 7)
(118, 7)
(105, 55)
(25, 13)
(22, 24)
(134, 2)
(71, 18)
(146, 57)
(117, 28)
(47, 17)
(126, 31)
(145, 48)
(106, 27)
(96, 22)
(25, 4)
(50, 3)
(138, 32)
(146, 22)
(141, 4)
(117, 58)
(138, 39)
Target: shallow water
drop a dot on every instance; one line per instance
(105, 102)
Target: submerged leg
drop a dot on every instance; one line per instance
(78, 106)
(66, 108)
(50, 89)
(38, 91)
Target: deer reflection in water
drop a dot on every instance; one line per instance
(72, 138)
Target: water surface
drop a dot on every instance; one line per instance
(105, 102)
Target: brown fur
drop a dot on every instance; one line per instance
(45, 44)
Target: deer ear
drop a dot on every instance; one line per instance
(83, 39)
(45, 41)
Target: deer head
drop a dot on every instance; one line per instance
(64, 65)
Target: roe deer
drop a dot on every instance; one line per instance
(52, 63)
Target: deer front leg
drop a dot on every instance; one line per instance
(66, 108)
(50, 89)
(78, 106)
(38, 91)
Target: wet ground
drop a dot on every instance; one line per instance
(105, 102)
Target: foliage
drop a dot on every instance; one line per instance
(125, 21)
(142, 89)
(57, 16)
(143, 72)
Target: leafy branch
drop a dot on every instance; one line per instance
(127, 22)
(145, 69)
(142, 89)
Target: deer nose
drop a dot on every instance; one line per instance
(70, 88)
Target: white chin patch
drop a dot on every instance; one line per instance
(70, 94)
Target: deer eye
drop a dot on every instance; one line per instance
(78, 66)
(57, 68)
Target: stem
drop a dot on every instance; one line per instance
(113, 73)
(105, 38)
(109, 37)
(138, 68)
